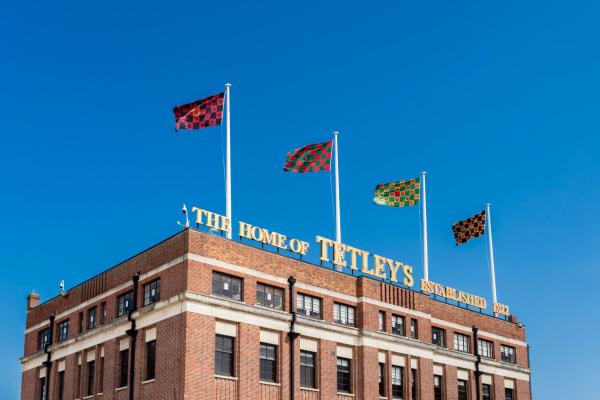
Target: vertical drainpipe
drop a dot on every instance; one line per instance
(292, 334)
(48, 362)
(477, 372)
(132, 333)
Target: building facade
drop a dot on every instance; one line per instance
(201, 317)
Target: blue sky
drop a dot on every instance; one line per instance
(497, 101)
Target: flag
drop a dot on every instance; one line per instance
(200, 114)
(398, 194)
(469, 228)
(310, 158)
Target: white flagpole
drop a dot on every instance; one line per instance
(228, 159)
(488, 217)
(425, 247)
(338, 227)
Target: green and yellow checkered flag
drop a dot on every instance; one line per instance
(398, 194)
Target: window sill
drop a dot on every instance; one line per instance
(269, 383)
(309, 389)
(120, 388)
(231, 378)
(148, 381)
(88, 397)
(345, 394)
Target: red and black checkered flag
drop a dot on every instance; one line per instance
(310, 158)
(469, 228)
(200, 114)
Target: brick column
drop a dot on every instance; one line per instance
(327, 367)
(248, 361)
(366, 372)
(450, 384)
(426, 378)
(498, 386)
(199, 361)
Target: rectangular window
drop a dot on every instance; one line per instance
(62, 331)
(343, 314)
(307, 369)
(509, 394)
(343, 375)
(308, 305)
(397, 325)
(125, 304)
(42, 389)
(437, 387)
(397, 382)
(102, 313)
(485, 348)
(124, 367)
(224, 355)
(91, 369)
(508, 354)
(486, 392)
(78, 382)
(268, 362)
(413, 382)
(91, 318)
(462, 389)
(151, 360)
(43, 338)
(414, 329)
(382, 321)
(269, 296)
(382, 379)
(80, 330)
(152, 292)
(101, 375)
(438, 337)
(61, 385)
(462, 343)
(227, 286)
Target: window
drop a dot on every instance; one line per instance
(462, 389)
(486, 348)
(437, 387)
(462, 342)
(42, 389)
(91, 369)
(152, 292)
(80, 330)
(91, 318)
(268, 362)
(61, 385)
(62, 331)
(381, 379)
(397, 325)
(150, 360)
(269, 296)
(343, 314)
(509, 394)
(508, 354)
(227, 286)
(101, 375)
(438, 337)
(486, 392)
(381, 321)
(343, 375)
(308, 305)
(102, 313)
(124, 367)
(397, 382)
(78, 382)
(43, 338)
(413, 382)
(414, 329)
(125, 304)
(307, 369)
(224, 355)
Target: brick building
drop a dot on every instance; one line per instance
(201, 317)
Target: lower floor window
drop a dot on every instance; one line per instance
(42, 389)
(268, 362)
(224, 355)
(486, 392)
(343, 375)
(91, 368)
(509, 394)
(437, 387)
(462, 389)
(382, 379)
(307, 369)
(397, 382)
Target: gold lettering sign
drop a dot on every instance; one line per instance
(501, 309)
(347, 256)
(274, 239)
(212, 220)
(453, 294)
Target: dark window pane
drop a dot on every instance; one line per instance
(438, 337)
(227, 286)
(125, 304)
(413, 380)
(91, 368)
(462, 389)
(150, 360)
(508, 394)
(486, 392)
(92, 318)
(381, 379)
(268, 362)
(437, 387)
(124, 370)
(397, 325)
(343, 375)
(397, 382)
(61, 385)
(308, 306)
(152, 292)
(224, 355)
(307, 369)
(62, 331)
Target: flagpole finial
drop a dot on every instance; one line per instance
(488, 204)
(336, 133)
(228, 85)
(423, 172)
